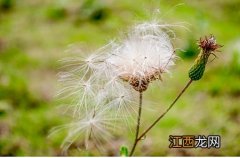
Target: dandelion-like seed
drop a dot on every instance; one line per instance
(143, 56)
(105, 81)
(94, 127)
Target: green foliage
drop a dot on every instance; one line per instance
(92, 10)
(56, 13)
(235, 63)
(6, 4)
(124, 151)
(190, 51)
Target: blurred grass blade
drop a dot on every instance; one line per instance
(123, 151)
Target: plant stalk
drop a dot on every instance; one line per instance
(138, 124)
(161, 116)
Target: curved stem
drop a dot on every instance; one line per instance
(138, 124)
(161, 116)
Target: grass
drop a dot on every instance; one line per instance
(34, 35)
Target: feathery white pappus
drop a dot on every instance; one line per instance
(108, 79)
(143, 56)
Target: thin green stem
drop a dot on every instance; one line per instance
(161, 116)
(138, 124)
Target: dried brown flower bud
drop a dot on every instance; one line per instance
(208, 44)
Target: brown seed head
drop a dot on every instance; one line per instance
(140, 83)
(208, 44)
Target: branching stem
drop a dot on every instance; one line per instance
(159, 118)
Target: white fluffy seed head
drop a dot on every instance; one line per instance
(100, 82)
(143, 56)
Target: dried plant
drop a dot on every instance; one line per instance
(104, 85)
(106, 80)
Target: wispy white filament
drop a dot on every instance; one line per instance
(148, 48)
(99, 83)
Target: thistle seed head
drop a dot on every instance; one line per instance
(140, 83)
(106, 81)
(143, 56)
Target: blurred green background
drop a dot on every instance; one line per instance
(35, 33)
